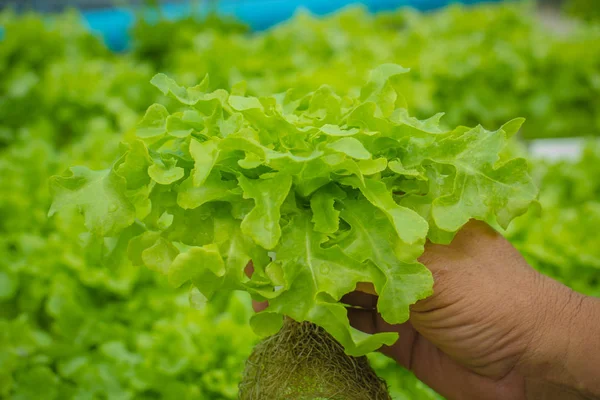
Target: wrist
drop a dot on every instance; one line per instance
(564, 350)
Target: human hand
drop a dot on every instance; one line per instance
(494, 327)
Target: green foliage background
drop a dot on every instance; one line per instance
(78, 322)
(584, 9)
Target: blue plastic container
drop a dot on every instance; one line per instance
(114, 24)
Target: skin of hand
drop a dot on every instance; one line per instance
(494, 329)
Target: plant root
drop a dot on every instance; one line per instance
(304, 362)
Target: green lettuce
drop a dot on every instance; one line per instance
(561, 242)
(584, 9)
(482, 64)
(319, 191)
(77, 320)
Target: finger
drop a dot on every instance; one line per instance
(360, 299)
(371, 322)
(363, 320)
(453, 381)
(473, 235)
(430, 365)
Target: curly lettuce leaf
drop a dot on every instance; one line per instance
(321, 192)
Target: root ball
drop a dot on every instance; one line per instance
(304, 362)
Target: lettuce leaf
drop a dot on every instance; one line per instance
(302, 187)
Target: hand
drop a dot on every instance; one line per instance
(494, 328)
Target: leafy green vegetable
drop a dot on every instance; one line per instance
(58, 80)
(77, 320)
(276, 180)
(584, 9)
(481, 64)
(562, 241)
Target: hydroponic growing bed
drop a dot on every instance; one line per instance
(79, 316)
